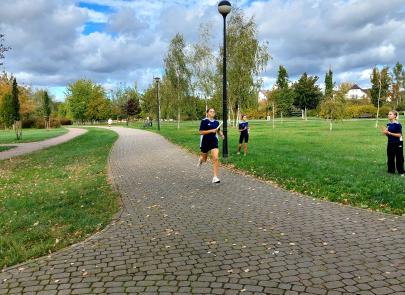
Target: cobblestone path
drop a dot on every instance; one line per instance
(29, 147)
(178, 233)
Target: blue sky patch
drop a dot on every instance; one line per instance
(91, 27)
(97, 7)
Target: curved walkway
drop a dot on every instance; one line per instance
(29, 147)
(178, 233)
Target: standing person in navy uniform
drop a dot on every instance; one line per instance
(395, 147)
(209, 130)
(244, 134)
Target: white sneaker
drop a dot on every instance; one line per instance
(238, 153)
(215, 180)
(402, 175)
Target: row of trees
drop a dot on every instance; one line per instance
(89, 102)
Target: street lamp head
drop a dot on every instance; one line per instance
(157, 79)
(224, 7)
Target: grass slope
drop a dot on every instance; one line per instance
(55, 197)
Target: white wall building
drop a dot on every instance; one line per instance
(356, 93)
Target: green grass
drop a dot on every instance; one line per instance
(29, 135)
(347, 165)
(55, 197)
(6, 148)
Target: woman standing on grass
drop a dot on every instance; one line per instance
(244, 134)
(395, 147)
(209, 130)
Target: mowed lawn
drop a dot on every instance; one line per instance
(347, 165)
(29, 135)
(55, 197)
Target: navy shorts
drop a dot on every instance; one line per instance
(206, 147)
(244, 137)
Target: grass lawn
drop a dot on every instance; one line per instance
(347, 165)
(55, 197)
(6, 148)
(29, 135)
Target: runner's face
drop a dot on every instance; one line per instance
(391, 116)
(211, 113)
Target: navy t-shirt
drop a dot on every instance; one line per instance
(242, 126)
(210, 138)
(394, 127)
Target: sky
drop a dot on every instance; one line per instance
(122, 42)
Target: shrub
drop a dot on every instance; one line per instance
(313, 113)
(360, 111)
(28, 123)
(65, 121)
(39, 122)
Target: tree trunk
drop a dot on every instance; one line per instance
(281, 117)
(237, 117)
(274, 116)
(178, 118)
(330, 125)
(306, 115)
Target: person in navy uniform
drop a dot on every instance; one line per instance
(244, 134)
(395, 146)
(209, 130)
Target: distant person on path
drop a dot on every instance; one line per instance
(395, 147)
(244, 134)
(209, 130)
(109, 122)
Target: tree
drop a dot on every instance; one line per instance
(46, 109)
(397, 85)
(149, 102)
(246, 59)
(307, 93)
(283, 95)
(333, 106)
(6, 110)
(3, 48)
(282, 78)
(203, 66)
(16, 110)
(380, 83)
(16, 102)
(87, 101)
(98, 105)
(329, 83)
(178, 73)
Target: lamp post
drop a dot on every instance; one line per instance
(157, 80)
(224, 7)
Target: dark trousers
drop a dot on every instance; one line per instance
(395, 155)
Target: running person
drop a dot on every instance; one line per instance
(209, 130)
(395, 146)
(244, 134)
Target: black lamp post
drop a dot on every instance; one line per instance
(157, 80)
(224, 7)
